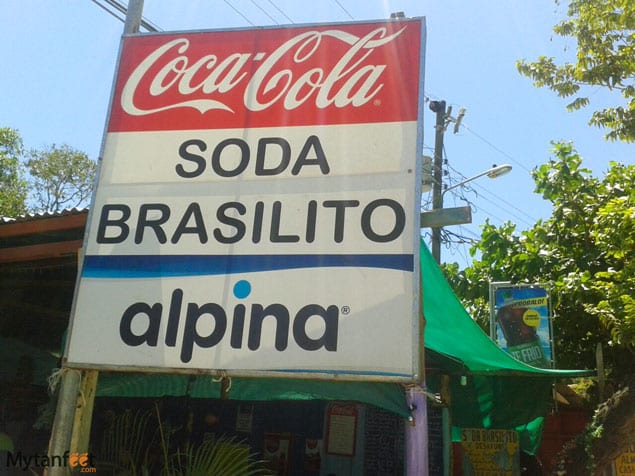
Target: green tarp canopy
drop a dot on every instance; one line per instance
(499, 391)
(496, 391)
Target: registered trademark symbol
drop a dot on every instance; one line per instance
(345, 310)
(377, 102)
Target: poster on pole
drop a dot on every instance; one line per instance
(520, 322)
(257, 205)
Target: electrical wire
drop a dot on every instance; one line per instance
(145, 23)
(497, 149)
(265, 12)
(239, 13)
(493, 202)
(344, 9)
(496, 197)
(283, 13)
(486, 211)
(509, 204)
(121, 19)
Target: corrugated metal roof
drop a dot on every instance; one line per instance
(40, 216)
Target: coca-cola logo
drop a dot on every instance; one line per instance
(288, 76)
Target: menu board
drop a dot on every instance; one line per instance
(342, 429)
(435, 439)
(383, 443)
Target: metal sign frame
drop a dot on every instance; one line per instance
(108, 262)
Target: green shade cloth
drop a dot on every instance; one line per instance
(489, 388)
(451, 333)
(389, 396)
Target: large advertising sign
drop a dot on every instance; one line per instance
(257, 206)
(520, 321)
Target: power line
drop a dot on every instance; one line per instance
(119, 7)
(496, 203)
(498, 198)
(344, 9)
(507, 211)
(239, 12)
(487, 212)
(509, 204)
(265, 12)
(494, 195)
(283, 13)
(523, 166)
(121, 19)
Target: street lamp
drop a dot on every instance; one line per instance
(494, 172)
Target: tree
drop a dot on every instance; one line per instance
(586, 250)
(605, 438)
(62, 177)
(605, 57)
(13, 186)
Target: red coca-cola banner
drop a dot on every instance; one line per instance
(337, 74)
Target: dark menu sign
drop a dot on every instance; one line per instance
(435, 440)
(383, 443)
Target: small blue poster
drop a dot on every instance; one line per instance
(523, 323)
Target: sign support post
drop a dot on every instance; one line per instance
(417, 427)
(71, 425)
(64, 417)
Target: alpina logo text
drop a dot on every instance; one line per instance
(286, 324)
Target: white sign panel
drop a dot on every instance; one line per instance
(257, 208)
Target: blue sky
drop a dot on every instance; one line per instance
(59, 59)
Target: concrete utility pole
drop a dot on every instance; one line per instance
(133, 17)
(437, 107)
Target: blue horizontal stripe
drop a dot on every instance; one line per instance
(344, 372)
(156, 266)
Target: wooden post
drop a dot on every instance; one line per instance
(84, 412)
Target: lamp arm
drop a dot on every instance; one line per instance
(463, 182)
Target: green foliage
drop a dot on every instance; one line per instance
(610, 433)
(62, 177)
(222, 456)
(13, 186)
(123, 442)
(585, 250)
(605, 38)
(131, 443)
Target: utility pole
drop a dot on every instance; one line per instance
(133, 17)
(437, 107)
